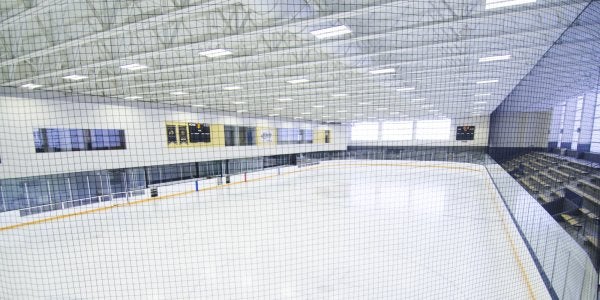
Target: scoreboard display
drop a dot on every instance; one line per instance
(199, 132)
(465, 133)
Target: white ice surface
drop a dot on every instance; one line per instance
(343, 232)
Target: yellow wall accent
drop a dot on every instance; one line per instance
(319, 137)
(260, 131)
(217, 136)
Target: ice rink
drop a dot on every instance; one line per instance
(338, 230)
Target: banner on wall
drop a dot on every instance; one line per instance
(266, 136)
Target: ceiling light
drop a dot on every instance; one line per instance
(427, 106)
(216, 53)
(285, 99)
(273, 115)
(296, 81)
(339, 95)
(434, 110)
(383, 71)
(482, 95)
(232, 88)
(318, 106)
(491, 4)
(326, 116)
(239, 102)
(75, 77)
(306, 113)
(418, 99)
(494, 58)
(341, 111)
(331, 32)
(406, 89)
(487, 81)
(394, 113)
(480, 102)
(278, 108)
(371, 117)
(364, 103)
(242, 111)
(178, 93)
(31, 86)
(298, 118)
(133, 98)
(199, 105)
(358, 115)
(381, 108)
(134, 67)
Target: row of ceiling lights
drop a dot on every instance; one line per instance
(320, 34)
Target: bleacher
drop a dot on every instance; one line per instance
(568, 189)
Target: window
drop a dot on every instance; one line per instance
(561, 124)
(62, 140)
(397, 131)
(595, 146)
(365, 131)
(577, 123)
(240, 136)
(433, 130)
(288, 135)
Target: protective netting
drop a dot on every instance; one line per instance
(299, 149)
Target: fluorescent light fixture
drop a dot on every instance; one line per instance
(341, 111)
(278, 108)
(394, 113)
(382, 108)
(134, 67)
(75, 77)
(494, 58)
(298, 118)
(296, 81)
(383, 71)
(242, 111)
(326, 116)
(371, 117)
(339, 95)
(480, 102)
(418, 99)
(232, 88)
(483, 95)
(406, 89)
(31, 86)
(133, 98)
(487, 81)
(427, 106)
(199, 105)
(364, 103)
(215, 53)
(273, 115)
(331, 32)
(306, 113)
(178, 93)
(358, 115)
(434, 110)
(285, 99)
(318, 106)
(491, 4)
(239, 102)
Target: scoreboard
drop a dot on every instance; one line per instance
(199, 132)
(465, 133)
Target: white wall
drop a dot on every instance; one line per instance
(481, 136)
(520, 129)
(145, 134)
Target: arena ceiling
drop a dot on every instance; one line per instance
(336, 61)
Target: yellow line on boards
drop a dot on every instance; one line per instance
(509, 237)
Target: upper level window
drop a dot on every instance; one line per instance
(61, 139)
(433, 130)
(397, 131)
(365, 131)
